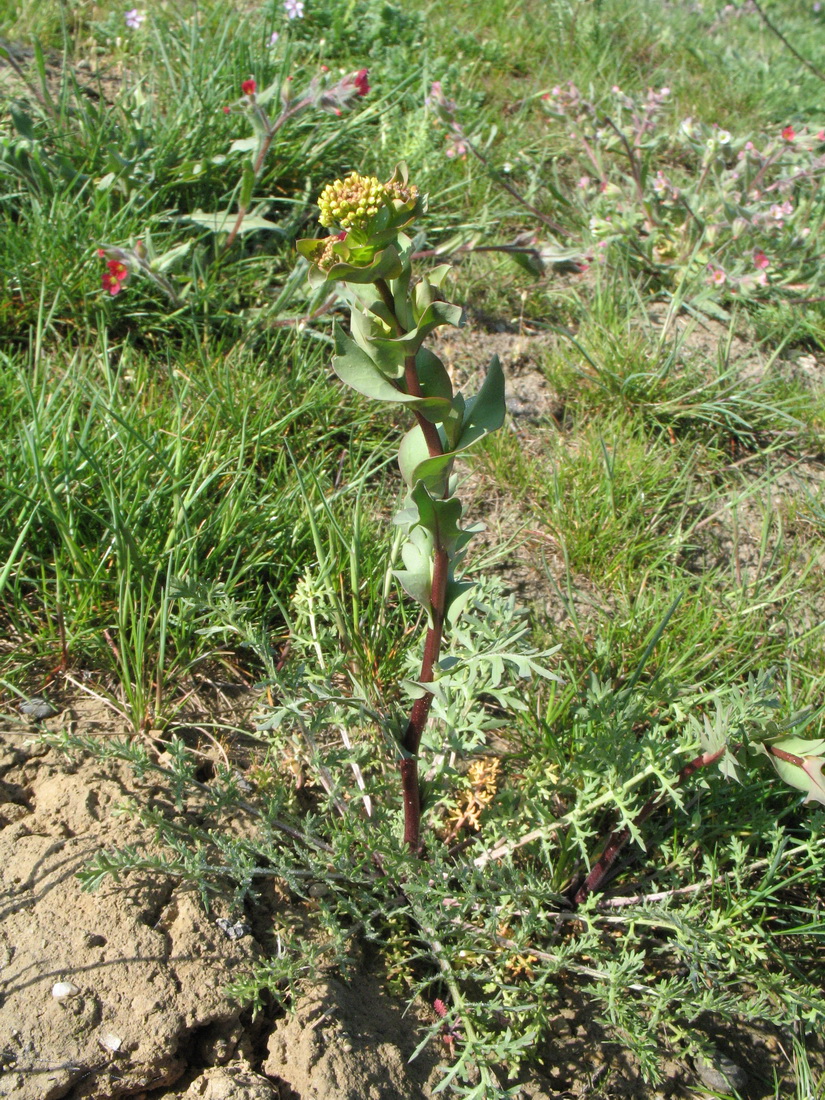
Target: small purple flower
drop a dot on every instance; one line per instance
(134, 18)
(273, 39)
(294, 9)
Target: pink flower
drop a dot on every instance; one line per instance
(440, 1007)
(717, 276)
(360, 81)
(789, 134)
(760, 260)
(249, 87)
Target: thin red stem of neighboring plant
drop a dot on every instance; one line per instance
(257, 167)
(617, 840)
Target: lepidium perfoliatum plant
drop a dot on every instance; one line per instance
(368, 256)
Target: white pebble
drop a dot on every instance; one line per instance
(110, 1042)
(61, 990)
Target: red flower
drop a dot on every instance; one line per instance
(110, 283)
(789, 134)
(760, 260)
(360, 81)
(116, 274)
(249, 87)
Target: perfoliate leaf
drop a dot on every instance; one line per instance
(415, 462)
(385, 264)
(439, 517)
(416, 578)
(432, 375)
(458, 596)
(394, 349)
(484, 413)
(355, 368)
(806, 776)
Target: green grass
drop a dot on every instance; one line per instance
(187, 487)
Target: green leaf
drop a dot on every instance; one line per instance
(244, 145)
(168, 258)
(355, 368)
(806, 776)
(484, 413)
(386, 264)
(415, 463)
(395, 349)
(22, 123)
(432, 375)
(221, 221)
(416, 577)
(440, 517)
(247, 184)
(457, 598)
(268, 94)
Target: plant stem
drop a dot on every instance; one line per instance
(775, 30)
(510, 189)
(617, 840)
(271, 130)
(438, 596)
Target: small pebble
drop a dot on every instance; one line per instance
(720, 1073)
(233, 931)
(62, 990)
(37, 708)
(110, 1042)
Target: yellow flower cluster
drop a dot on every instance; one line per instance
(351, 202)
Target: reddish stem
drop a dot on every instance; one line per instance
(263, 152)
(617, 840)
(438, 596)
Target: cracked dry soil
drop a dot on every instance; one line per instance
(142, 969)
